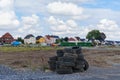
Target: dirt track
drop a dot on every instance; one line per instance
(100, 57)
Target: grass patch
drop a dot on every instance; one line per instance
(22, 49)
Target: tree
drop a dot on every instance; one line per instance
(66, 39)
(102, 37)
(20, 39)
(58, 41)
(94, 34)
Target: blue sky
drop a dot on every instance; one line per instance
(60, 17)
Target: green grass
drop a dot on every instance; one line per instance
(21, 49)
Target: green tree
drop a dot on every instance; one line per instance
(58, 41)
(20, 39)
(66, 39)
(102, 37)
(94, 34)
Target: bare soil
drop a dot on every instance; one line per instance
(39, 59)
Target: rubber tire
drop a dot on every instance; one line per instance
(67, 59)
(54, 58)
(60, 53)
(66, 64)
(68, 50)
(52, 65)
(81, 66)
(86, 65)
(78, 51)
(64, 70)
(80, 57)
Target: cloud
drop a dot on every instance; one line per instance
(8, 18)
(6, 3)
(110, 28)
(71, 28)
(64, 8)
(67, 9)
(30, 25)
(108, 25)
(64, 28)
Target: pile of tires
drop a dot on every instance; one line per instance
(68, 60)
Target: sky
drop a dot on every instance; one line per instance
(60, 17)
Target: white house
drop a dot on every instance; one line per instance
(51, 39)
(30, 39)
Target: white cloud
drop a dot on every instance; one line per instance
(110, 28)
(53, 21)
(71, 23)
(71, 28)
(108, 25)
(64, 28)
(30, 25)
(6, 3)
(77, 1)
(67, 9)
(64, 8)
(8, 18)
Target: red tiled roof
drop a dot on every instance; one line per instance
(7, 35)
(71, 39)
(7, 38)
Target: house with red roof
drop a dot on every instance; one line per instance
(72, 39)
(51, 39)
(7, 38)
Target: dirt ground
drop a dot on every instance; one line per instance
(100, 57)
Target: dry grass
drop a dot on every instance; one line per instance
(39, 58)
(102, 58)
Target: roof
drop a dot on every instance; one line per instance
(7, 35)
(55, 36)
(48, 36)
(82, 39)
(38, 37)
(71, 39)
(28, 36)
(117, 41)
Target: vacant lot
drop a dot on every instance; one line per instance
(37, 58)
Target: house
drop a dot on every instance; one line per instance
(72, 40)
(40, 39)
(54, 38)
(83, 40)
(78, 38)
(109, 42)
(117, 43)
(7, 38)
(51, 39)
(29, 39)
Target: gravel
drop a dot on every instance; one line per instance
(93, 73)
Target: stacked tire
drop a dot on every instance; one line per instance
(68, 60)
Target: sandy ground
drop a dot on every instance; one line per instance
(98, 57)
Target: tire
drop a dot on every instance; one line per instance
(75, 47)
(86, 65)
(80, 57)
(67, 70)
(81, 65)
(52, 65)
(67, 59)
(68, 50)
(54, 58)
(66, 64)
(60, 53)
(78, 51)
